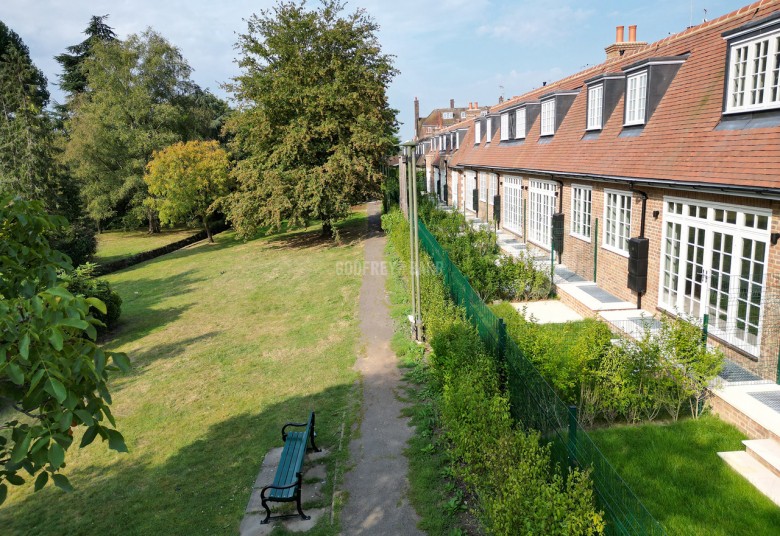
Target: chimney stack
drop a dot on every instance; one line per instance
(621, 47)
(452, 103)
(416, 118)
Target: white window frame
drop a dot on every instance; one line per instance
(463, 115)
(477, 132)
(483, 186)
(471, 183)
(520, 124)
(504, 127)
(488, 129)
(705, 217)
(754, 74)
(581, 211)
(617, 221)
(493, 187)
(512, 201)
(457, 141)
(541, 207)
(548, 118)
(447, 115)
(455, 187)
(636, 98)
(595, 107)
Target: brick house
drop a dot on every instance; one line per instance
(661, 164)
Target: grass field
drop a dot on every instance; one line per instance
(115, 245)
(675, 471)
(229, 341)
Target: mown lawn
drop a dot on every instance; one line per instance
(675, 471)
(115, 245)
(229, 341)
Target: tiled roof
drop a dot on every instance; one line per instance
(679, 142)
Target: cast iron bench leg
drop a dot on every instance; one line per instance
(298, 498)
(267, 510)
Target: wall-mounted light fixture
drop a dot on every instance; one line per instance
(774, 237)
(656, 213)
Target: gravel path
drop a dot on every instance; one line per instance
(377, 483)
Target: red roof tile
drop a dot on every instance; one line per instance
(679, 142)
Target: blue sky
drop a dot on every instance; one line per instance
(467, 50)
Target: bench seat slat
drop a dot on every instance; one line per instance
(290, 464)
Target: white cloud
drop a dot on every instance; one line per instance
(534, 23)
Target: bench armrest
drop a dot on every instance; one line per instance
(296, 424)
(271, 486)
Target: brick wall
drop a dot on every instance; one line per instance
(746, 425)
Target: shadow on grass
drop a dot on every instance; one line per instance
(203, 488)
(351, 231)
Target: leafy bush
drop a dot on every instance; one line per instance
(81, 282)
(665, 369)
(510, 472)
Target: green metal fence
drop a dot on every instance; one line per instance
(535, 405)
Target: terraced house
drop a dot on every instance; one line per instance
(655, 175)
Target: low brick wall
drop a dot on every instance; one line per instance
(745, 424)
(138, 258)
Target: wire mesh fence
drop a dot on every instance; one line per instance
(535, 405)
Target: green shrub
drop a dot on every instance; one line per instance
(81, 281)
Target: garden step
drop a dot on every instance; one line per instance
(766, 451)
(762, 478)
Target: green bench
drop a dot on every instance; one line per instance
(288, 480)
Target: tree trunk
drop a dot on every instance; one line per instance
(327, 228)
(206, 226)
(154, 223)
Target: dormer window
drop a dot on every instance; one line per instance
(477, 132)
(447, 115)
(548, 118)
(520, 124)
(636, 98)
(595, 107)
(754, 73)
(489, 129)
(504, 127)
(463, 115)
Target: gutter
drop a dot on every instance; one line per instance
(744, 191)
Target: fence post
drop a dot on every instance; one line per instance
(572, 435)
(705, 323)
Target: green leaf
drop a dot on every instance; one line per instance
(14, 479)
(3, 493)
(55, 388)
(121, 360)
(15, 373)
(60, 292)
(77, 323)
(41, 480)
(89, 436)
(20, 449)
(36, 378)
(97, 304)
(55, 338)
(24, 346)
(61, 481)
(85, 416)
(56, 455)
(116, 441)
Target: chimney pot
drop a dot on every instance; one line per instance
(476, 105)
(452, 103)
(619, 34)
(632, 33)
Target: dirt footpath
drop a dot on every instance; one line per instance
(377, 483)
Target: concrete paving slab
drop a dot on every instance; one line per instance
(741, 398)
(318, 472)
(296, 524)
(587, 293)
(547, 311)
(311, 493)
(632, 322)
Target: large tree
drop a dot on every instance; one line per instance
(185, 179)
(28, 147)
(129, 111)
(52, 374)
(314, 123)
(73, 80)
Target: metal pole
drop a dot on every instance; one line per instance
(418, 317)
(572, 436)
(410, 219)
(704, 328)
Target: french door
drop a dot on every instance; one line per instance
(513, 204)
(713, 262)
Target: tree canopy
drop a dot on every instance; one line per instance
(73, 80)
(186, 178)
(314, 123)
(51, 371)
